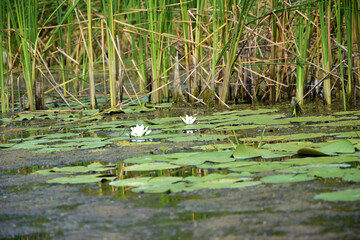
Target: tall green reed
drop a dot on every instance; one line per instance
(157, 13)
(302, 38)
(3, 93)
(349, 28)
(26, 16)
(91, 57)
(239, 22)
(110, 35)
(324, 11)
(339, 42)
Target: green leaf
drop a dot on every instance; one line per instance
(320, 160)
(245, 152)
(161, 188)
(261, 167)
(78, 179)
(346, 195)
(94, 167)
(151, 166)
(287, 178)
(130, 182)
(164, 180)
(197, 137)
(333, 148)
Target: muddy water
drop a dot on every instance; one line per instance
(32, 209)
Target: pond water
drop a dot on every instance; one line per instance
(252, 173)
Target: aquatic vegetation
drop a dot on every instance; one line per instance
(139, 131)
(225, 163)
(287, 178)
(188, 119)
(333, 148)
(346, 195)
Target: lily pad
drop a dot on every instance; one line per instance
(245, 152)
(320, 160)
(161, 188)
(346, 195)
(130, 182)
(78, 179)
(287, 178)
(333, 148)
(151, 166)
(261, 167)
(94, 167)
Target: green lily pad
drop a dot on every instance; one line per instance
(151, 166)
(350, 177)
(197, 137)
(94, 167)
(161, 188)
(210, 177)
(348, 134)
(216, 157)
(287, 178)
(245, 184)
(289, 146)
(320, 160)
(164, 180)
(290, 137)
(78, 179)
(346, 195)
(131, 182)
(245, 152)
(222, 183)
(217, 147)
(261, 167)
(227, 165)
(320, 119)
(147, 159)
(333, 148)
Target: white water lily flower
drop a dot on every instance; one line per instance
(139, 131)
(188, 119)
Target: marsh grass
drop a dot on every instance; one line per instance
(210, 52)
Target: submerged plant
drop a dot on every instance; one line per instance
(139, 131)
(188, 119)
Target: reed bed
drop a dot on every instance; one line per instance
(188, 52)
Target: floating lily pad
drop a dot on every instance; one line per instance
(333, 148)
(210, 177)
(290, 137)
(217, 147)
(290, 146)
(261, 167)
(348, 134)
(320, 160)
(287, 178)
(222, 183)
(164, 180)
(78, 179)
(131, 182)
(228, 165)
(245, 152)
(198, 137)
(161, 188)
(151, 166)
(352, 177)
(94, 167)
(216, 157)
(320, 119)
(346, 195)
